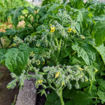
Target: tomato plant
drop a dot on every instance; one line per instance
(62, 43)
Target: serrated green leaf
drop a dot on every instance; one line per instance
(81, 53)
(16, 60)
(86, 52)
(101, 51)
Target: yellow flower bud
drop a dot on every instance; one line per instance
(96, 70)
(69, 29)
(39, 81)
(81, 69)
(82, 37)
(74, 31)
(63, 83)
(86, 80)
(57, 74)
(13, 45)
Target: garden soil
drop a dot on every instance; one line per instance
(6, 96)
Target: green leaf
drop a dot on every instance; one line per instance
(52, 99)
(78, 98)
(77, 3)
(2, 52)
(81, 53)
(16, 13)
(86, 52)
(90, 70)
(101, 83)
(101, 50)
(99, 32)
(12, 84)
(101, 95)
(101, 90)
(50, 1)
(16, 60)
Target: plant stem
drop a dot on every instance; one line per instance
(61, 99)
(61, 96)
(90, 88)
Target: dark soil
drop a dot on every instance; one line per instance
(40, 100)
(7, 97)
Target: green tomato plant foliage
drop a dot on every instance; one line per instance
(62, 46)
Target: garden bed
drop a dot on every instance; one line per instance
(7, 97)
(55, 51)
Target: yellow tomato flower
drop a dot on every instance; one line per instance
(52, 29)
(39, 81)
(70, 29)
(57, 74)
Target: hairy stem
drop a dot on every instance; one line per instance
(61, 96)
(61, 99)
